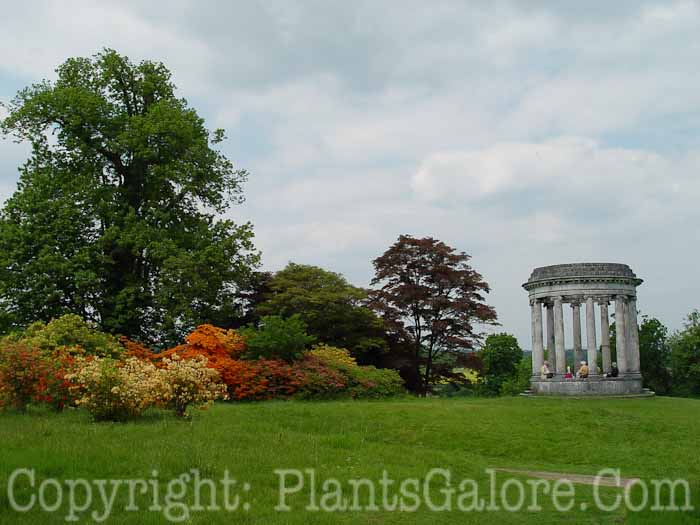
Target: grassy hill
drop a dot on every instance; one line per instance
(646, 438)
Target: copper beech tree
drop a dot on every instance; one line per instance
(431, 297)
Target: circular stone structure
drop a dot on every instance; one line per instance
(590, 285)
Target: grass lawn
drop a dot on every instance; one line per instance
(646, 438)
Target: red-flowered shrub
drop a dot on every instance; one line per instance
(30, 375)
(260, 379)
(134, 349)
(54, 388)
(320, 381)
(22, 369)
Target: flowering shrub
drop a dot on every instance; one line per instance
(119, 390)
(260, 379)
(320, 381)
(322, 373)
(332, 372)
(245, 380)
(28, 375)
(134, 349)
(219, 346)
(54, 389)
(59, 372)
(217, 341)
(49, 364)
(113, 390)
(22, 369)
(188, 382)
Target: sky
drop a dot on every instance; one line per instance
(522, 133)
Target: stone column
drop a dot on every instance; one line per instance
(537, 343)
(633, 336)
(605, 336)
(560, 349)
(621, 334)
(576, 312)
(590, 337)
(550, 337)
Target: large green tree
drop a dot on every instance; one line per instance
(333, 309)
(117, 212)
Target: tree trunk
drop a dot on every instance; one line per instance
(426, 378)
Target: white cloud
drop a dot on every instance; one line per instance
(565, 166)
(39, 36)
(568, 197)
(525, 135)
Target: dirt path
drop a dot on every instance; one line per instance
(573, 478)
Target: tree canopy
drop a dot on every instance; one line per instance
(333, 310)
(277, 338)
(654, 355)
(117, 212)
(685, 357)
(500, 356)
(428, 292)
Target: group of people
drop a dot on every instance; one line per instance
(581, 373)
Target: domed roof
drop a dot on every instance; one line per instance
(582, 271)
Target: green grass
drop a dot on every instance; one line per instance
(647, 438)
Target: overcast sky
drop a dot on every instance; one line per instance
(524, 133)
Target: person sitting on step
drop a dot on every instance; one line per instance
(583, 371)
(568, 373)
(545, 372)
(614, 371)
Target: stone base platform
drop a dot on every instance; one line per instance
(608, 386)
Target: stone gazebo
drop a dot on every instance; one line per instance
(588, 284)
